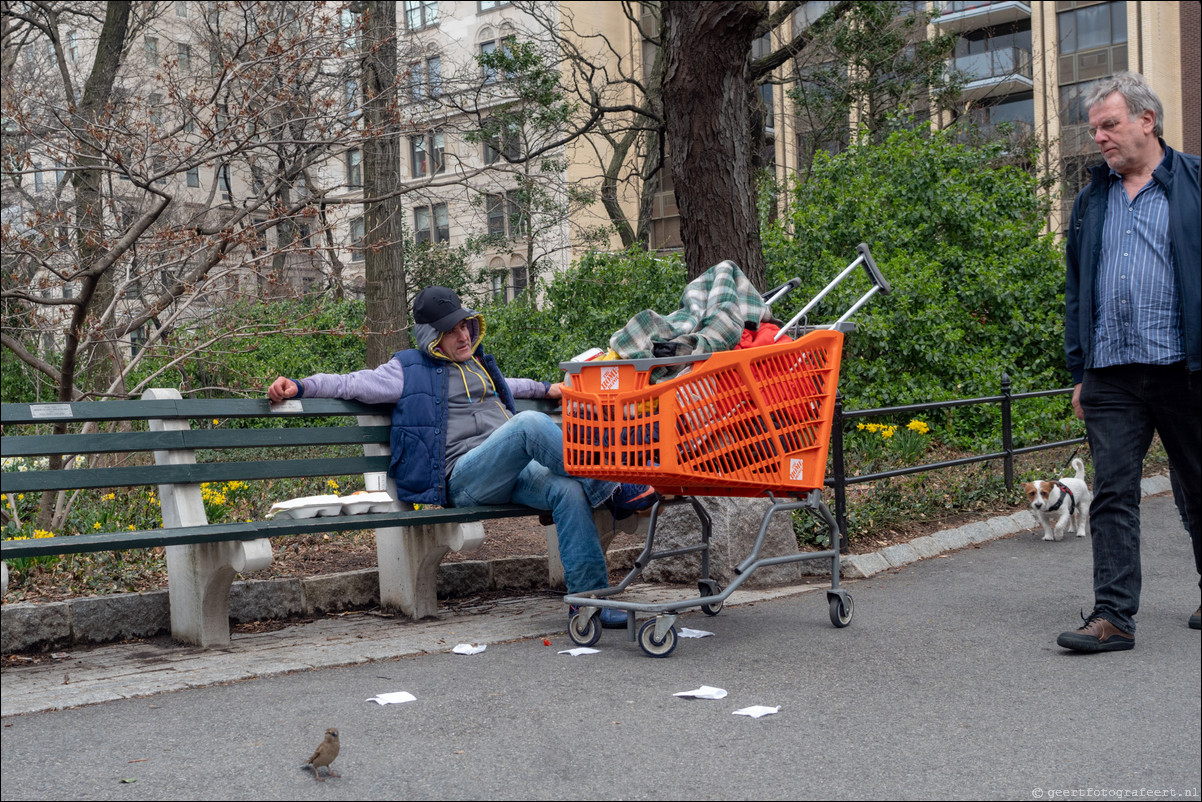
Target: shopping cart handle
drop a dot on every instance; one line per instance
(645, 363)
(779, 291)
(874, 272)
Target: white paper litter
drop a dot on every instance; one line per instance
(469, 648)
(756, 711)
(685, 632)
(579, 650)
(394, 698)
(704, 692)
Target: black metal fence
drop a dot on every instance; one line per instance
(839, 480)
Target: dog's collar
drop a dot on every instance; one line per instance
(1064, 491)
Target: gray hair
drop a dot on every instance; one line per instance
(1135, 90)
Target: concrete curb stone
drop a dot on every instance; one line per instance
(900, 554)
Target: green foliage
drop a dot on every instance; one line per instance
(283, 338)
(584, 306)
(20, 384)
(977, 282)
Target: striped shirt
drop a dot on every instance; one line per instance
(1138, 301)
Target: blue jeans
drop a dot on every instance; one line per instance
(522, 462)
(1123, 406)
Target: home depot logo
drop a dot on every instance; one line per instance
(609, 378)
(796, 469)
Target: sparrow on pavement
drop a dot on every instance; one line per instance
(327, 750)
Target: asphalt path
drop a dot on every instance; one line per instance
(948, 684)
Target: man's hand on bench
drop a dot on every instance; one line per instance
(282, 389)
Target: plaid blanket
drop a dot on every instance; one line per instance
(714, 310)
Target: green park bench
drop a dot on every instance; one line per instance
(202, 557)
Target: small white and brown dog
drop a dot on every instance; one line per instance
(1066, 499)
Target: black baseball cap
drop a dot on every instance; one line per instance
(439, 307)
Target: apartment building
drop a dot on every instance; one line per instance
(1034, 63)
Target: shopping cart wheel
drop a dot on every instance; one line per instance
(841, 608)
(709, 587)
(657, 648)
(584, 628)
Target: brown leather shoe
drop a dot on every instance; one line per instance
(1098, 635)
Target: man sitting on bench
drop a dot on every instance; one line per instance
(458, 441)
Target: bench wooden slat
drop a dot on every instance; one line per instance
(29, 481)
(82, 411)
(125, 442)
(142, 539)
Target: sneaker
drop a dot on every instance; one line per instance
(629, 499)
(1195, 620)
(1097, 635)
(610, 618)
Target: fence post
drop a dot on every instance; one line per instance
(840, 472)
(1007, 435)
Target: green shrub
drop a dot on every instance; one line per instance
(978, 283)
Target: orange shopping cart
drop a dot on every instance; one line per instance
(752, 422)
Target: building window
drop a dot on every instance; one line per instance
(152, 48)
(194, 176)
(358, 233)
(354, 168)
(490, 73)
(509, 146)
(1093, 46)
(425, 78)
(431, 223)
(258, 237)
(427, 155)
(223, 181)
(505, 216)
(38, 184)
(72, 46)
(1090, 26)
(520, 281)
(184, 53)
(1093, 41)
(489, 5)
(349, 22)
(508, 283)
(420, 13)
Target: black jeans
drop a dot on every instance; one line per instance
(1123, 406)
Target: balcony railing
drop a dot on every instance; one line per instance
(993, 64)
(973, 14)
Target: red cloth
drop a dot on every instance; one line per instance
(761, 336)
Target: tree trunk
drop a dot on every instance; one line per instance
(384, 260)
(96, 293)
(706, 86)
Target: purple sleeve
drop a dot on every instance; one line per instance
(382, 385)
(527, 388)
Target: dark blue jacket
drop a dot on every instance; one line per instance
(1179, 174)
(419, 426)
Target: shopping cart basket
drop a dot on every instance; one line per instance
(752, 422)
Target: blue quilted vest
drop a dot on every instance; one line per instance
(419, 426)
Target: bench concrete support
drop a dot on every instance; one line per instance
(408, 556)
(408, 559)
(199, 576)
